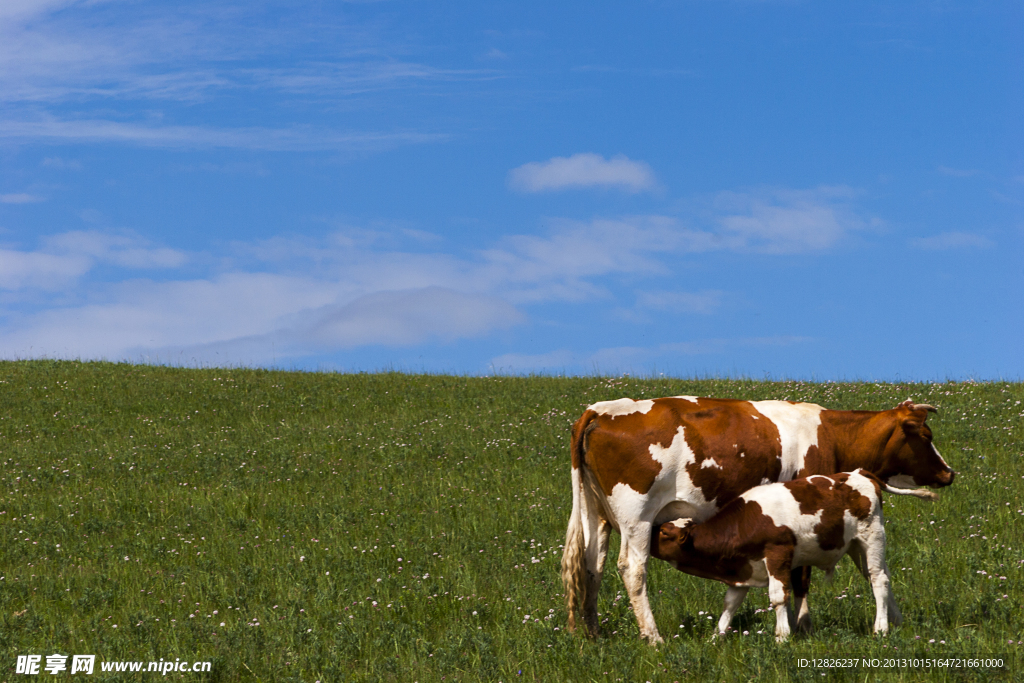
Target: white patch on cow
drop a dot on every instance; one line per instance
(622, 406)
(798, 430)
(674, 485)
(758, 574)
(691, 399)
(742, 454)
(765, 480)
(627, 506)
(672, 495)
(777, 502)
(710, 462)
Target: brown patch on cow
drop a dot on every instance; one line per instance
(744, 443)
(779, 563)
(723, 547)
(811, 493)
(624, 444)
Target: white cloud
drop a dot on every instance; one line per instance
(408, 317)
(778, 221)
(289, 297)
(582, 170)
(20, 10)
(19, 198)
(613, 360)
(64, 258)
(61, 164)
(958, 172)
(297, 138)
(24, 270)
(162, 315)
(952, 240)
(122, 250)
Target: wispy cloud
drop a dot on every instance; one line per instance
(297, 138)
(582, 171)
(61, 164)
(62, 259)
(633, 358)
(19, 198)
(958, 172)
(780, 221)
(80, 51)
(39, 270)
(389, 285)
(386, 318)
(952, 240)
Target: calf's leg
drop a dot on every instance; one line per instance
(733, 599)
(870, 559)
(801, 582)
(779, 561)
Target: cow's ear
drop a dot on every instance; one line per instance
(913, 424)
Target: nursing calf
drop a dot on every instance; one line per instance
(760, 537)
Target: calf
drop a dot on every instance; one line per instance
(760, 537)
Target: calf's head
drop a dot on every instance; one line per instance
(911, 458)
(669, 541)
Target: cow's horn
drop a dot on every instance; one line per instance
(924, 406)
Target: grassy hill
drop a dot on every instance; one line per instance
(306, 526)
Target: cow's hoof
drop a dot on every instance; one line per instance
(804, 625)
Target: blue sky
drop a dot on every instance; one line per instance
(785, 189)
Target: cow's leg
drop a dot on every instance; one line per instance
(597, 551)
(801, 582)
(733, 599)
(633, 556)
(778, 562)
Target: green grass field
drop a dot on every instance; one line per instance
(326, 527)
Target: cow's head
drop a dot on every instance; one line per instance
(911, 458)
(668, 540)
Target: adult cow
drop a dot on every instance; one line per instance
(636, 464)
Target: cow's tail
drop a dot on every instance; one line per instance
(574, 562)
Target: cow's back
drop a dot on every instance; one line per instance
(694, 455)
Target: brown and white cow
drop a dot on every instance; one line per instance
(636, 464)
(760, 537)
